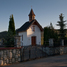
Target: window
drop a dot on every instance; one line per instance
(22, 37)
(33, 28)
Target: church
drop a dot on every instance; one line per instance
(30, 32)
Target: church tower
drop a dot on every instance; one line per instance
(31, 15)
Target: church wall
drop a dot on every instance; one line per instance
(24, 40)
(28, 34)
(36, 33)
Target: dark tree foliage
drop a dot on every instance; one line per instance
(8, 41)
(61, 24)
(49, 33)
(3, 34)
(11, 25)
(9, 38)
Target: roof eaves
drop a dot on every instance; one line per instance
(21, 31)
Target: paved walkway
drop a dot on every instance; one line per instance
(53, 61)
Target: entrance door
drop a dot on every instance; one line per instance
(33, 40)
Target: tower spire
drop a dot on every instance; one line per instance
(31, 15)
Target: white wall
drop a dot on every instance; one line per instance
(36, 33)
(24, 42)
(28, 34)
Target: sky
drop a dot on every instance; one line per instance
(46, 11)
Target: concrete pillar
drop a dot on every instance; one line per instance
(17, 41)
(51, 42)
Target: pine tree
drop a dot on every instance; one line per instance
(11, 25)
(51, 26)
(61, 24)
(9, 39)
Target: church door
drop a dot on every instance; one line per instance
(33, 40)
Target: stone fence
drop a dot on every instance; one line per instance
(9, 55)
(32, 52)
(55, 50)
(63, 50)
(16, 54)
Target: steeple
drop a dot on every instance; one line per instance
(31, 15)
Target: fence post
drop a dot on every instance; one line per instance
(35, 52)
(29, 53)
(21, 54)
(42, 51)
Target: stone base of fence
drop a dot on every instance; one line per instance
(14, 54)
(63, 50)
(32, 52)
(9, 55)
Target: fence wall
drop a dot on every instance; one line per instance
(34, 52)
(13, 55)
(9, 55)
(41, 51)
(63, 50)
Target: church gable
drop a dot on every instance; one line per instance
(36, 23)
(28, 24)
(33, 30)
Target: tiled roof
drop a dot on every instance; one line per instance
(26, 25)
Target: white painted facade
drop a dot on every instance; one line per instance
(28, 34)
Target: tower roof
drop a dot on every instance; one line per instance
(31, 13)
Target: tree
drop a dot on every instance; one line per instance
(11, 25)
(49, 32)
(61, 24)
(9, 40)
(51, 26)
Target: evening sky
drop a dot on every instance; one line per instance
(46, 11)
